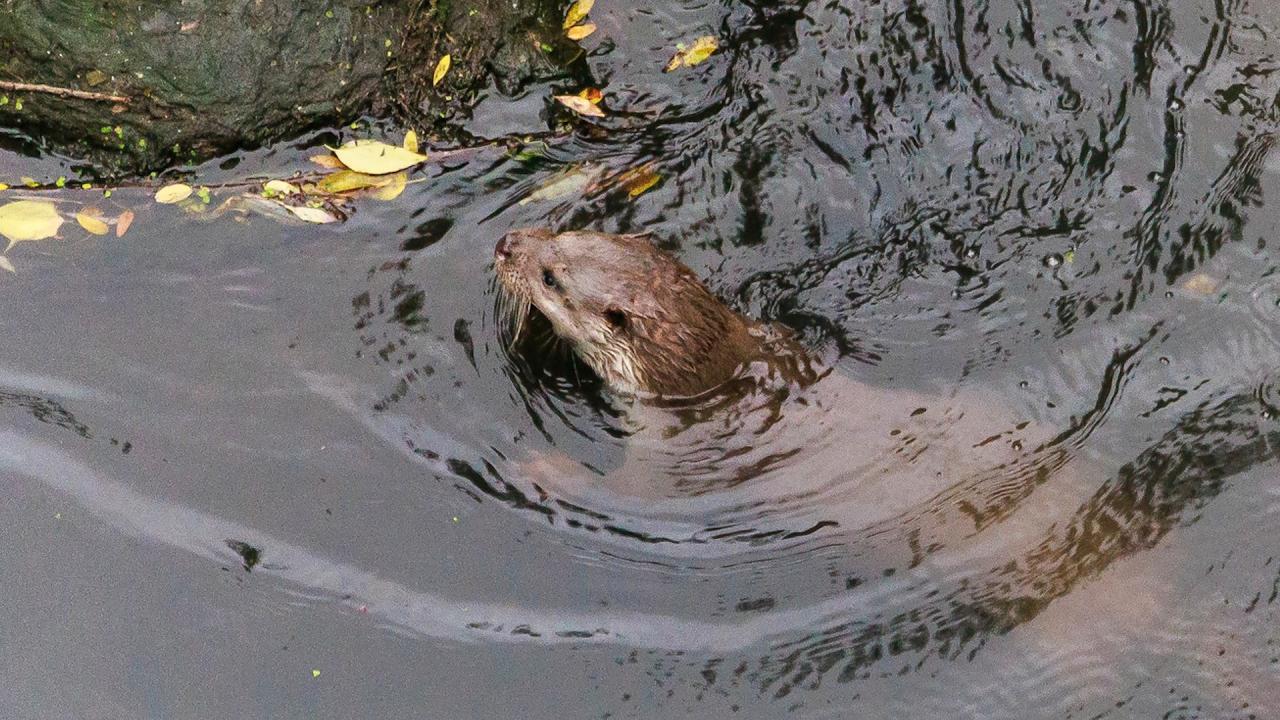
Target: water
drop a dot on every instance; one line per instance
(241, 452)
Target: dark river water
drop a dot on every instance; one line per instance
(260, 470)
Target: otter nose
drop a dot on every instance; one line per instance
(502, 250)
(513, 239)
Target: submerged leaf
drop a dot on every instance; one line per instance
(391, 189)
(411, 141)
(123, 222)
(90, 219)
(376, 158)
(313, 215)
(577, 12)
(348, 180)
(280, 186)
(580, 105)
(442, 67)
(578, 32)
(639, 180)
(26, 220)
(571, 182)
(170, 194)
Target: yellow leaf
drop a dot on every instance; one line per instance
(411, 141)
(580, 105)
(90, 219)
(29, 220)
(376, 158)
(442, 67)
(700, 50)
(592, 95)
(391, 189)
(29, 182)
(3, 186)
(280, 186)
(170, 194)
(313, 215)
(6, 265)
(577, 11)
(328, 161)
(578, 32)
(123, 222)
(694, 54)
(348, 180)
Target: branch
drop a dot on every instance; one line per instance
(61, 92)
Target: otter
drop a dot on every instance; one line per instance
(653, 332)
(638, 317)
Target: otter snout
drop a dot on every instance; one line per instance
(510, 243)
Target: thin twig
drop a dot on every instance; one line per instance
(61, 92)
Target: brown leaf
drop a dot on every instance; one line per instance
(580, 105)
(123, 222)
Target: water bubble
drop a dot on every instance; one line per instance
(1175, 105)
(1164, 361)
(1017, 445)
(1024, 384)
(971, 253)
(1052, 260)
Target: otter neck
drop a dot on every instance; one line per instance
(695, 353)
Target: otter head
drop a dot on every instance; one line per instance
(637, 316)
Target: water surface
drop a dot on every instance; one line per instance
(242, 452)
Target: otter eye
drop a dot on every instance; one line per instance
(616, 318)
(549, 279)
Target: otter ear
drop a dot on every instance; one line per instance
(616, 318)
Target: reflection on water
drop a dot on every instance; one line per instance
(1031, 243)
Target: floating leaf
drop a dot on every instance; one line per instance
(169, 194)
(29, 182)
(577, 12)
(700, 50)
(3, 186)
(313, 215)
(442, 67)
(376, 158)
(580, 105)
(578, 32)
(411, 141)
(6, 265)
(348, 180)
(592, 95)
(328, 161)
(391, 189)
(123, 222)
(90, 219)
(26, 220)
(280, 186)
